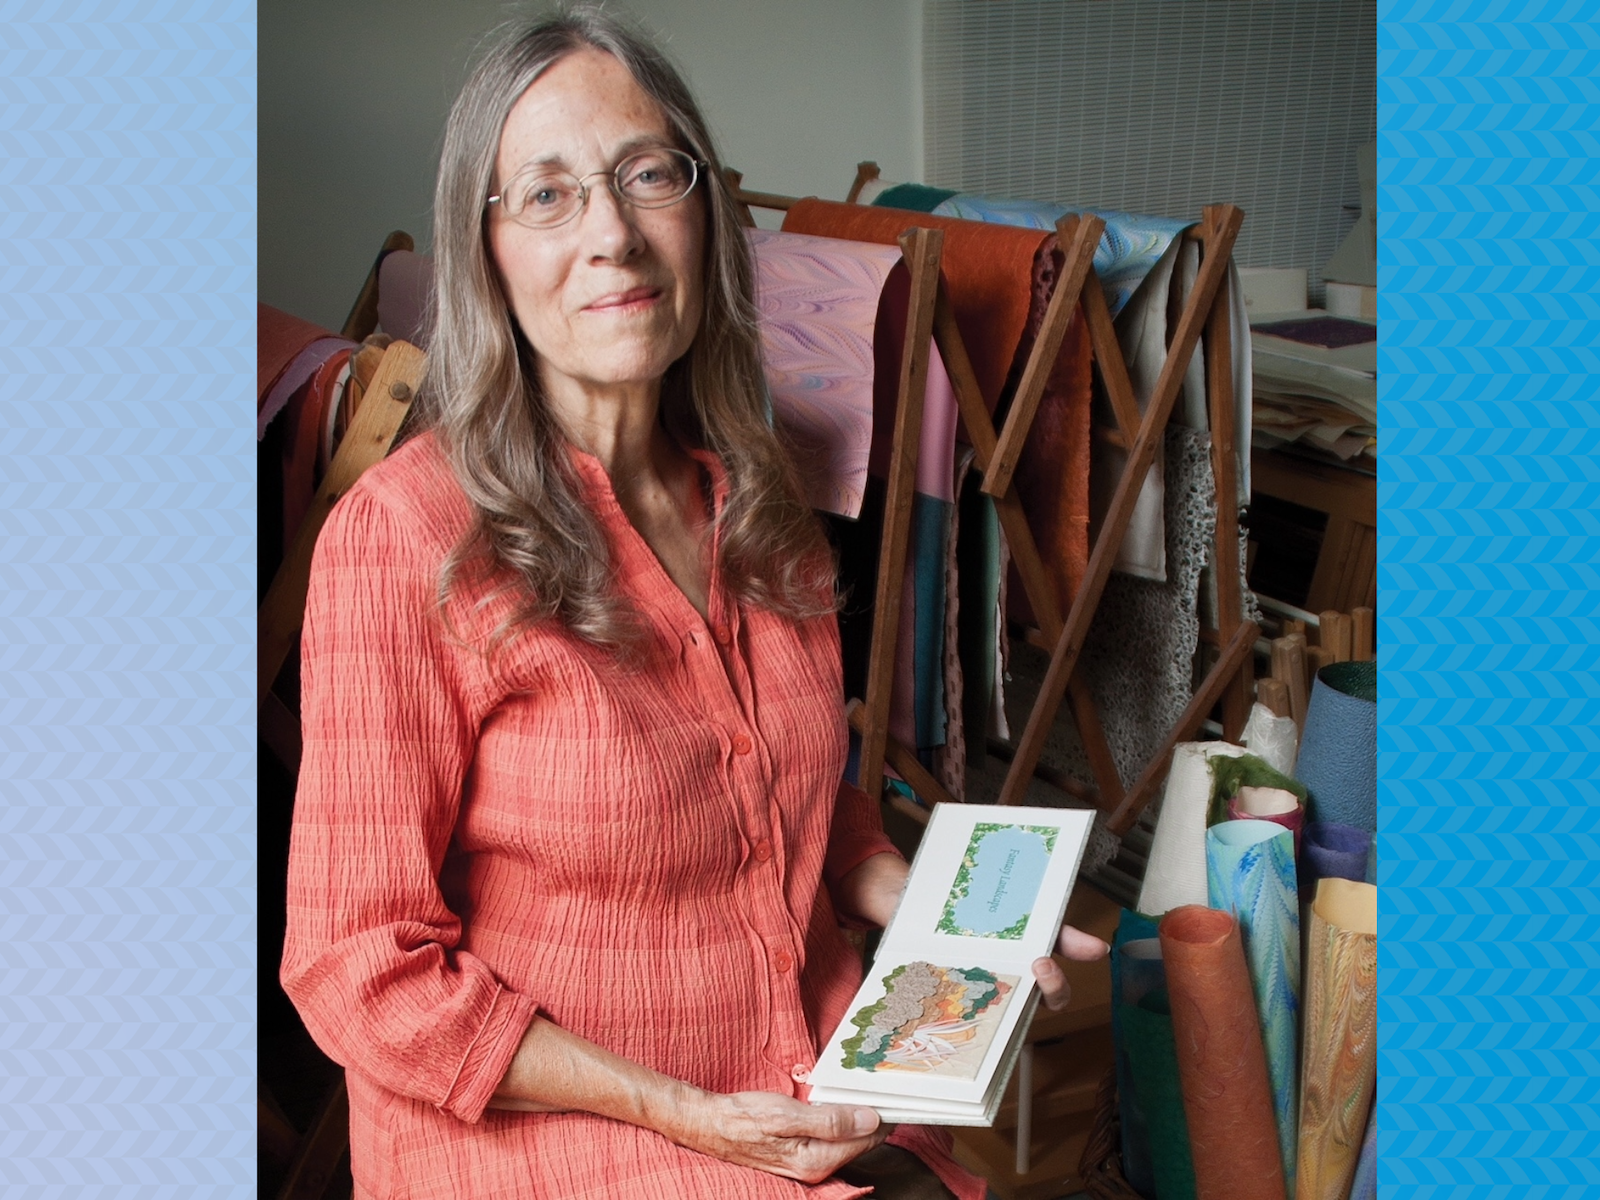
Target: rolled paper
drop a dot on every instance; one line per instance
(1372, 861)
(1331, 851)
(1278, 805)
(1230, 776)
(1338, 760)
(1139, 973)
(1250, 873)
(1339, 1058)
(1176, 871)
(1365, 1185)
(1222, 1065)
(1153, 1061)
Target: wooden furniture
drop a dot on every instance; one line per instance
(1346, 573)
(997, 451)
(383, 384)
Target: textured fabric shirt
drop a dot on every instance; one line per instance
(638, 853)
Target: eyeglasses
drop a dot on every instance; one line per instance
(543, 197)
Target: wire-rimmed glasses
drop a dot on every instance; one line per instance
(542, 196)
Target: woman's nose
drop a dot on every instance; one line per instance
(609, 225)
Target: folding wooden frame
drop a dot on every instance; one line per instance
(1204, 317)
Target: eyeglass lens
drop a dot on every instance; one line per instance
(548, 196)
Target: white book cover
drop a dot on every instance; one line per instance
(933, 1034)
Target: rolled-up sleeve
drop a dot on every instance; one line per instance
(856, 835)
(391, 706)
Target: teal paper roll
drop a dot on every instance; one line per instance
(1153, 1059)
(1133, 961)
(1338, 760)
(1250, 873)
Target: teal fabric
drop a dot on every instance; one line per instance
(913, 197)
(1136, 1169)
(930, 532)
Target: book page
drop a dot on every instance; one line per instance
(989, 880)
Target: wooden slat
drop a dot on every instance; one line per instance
(921, 249)
(1078, 236)
(1113, 369)
(366, 441)
(1064, 660)
(866, 172)
(1194, 714)
(1102, 764)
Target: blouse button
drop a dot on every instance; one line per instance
(782, 960)
(800, 1072)
(763, 850)
(742, 744)
(721, 633)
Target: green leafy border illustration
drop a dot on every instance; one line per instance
(963, 881)
(865, 1020)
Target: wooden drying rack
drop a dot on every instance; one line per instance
(1204, 318)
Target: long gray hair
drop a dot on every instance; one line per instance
(482, 397)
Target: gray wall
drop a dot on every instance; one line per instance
(354, 94)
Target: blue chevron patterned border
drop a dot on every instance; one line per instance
(127, 973)
(1488, 544)
(127, 538)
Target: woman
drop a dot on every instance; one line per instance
(570, 852)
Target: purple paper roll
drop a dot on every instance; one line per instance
(1330, 851)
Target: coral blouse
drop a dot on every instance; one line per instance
(638, 853)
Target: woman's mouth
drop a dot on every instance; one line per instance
(633, 300)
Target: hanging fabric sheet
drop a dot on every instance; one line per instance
(1000, 280)
(1141, 263)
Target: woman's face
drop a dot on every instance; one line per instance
(612, 298)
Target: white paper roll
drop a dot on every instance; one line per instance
(1176, 873)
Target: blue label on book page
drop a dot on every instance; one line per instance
(998, 882)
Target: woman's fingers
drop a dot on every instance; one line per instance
(1075, 944)
(1054, 989)
(782, 1135)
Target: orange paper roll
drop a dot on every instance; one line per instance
(1227, 1095)
(1339, 1063)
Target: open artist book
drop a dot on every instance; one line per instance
(933, 1034)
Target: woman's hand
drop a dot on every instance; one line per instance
(777, 1134)
(1074, 944)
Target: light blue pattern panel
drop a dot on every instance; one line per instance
(127, 828)
(1250, 873)
(1488, 536)
(1127, 251)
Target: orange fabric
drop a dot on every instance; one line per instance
(639, 854)
(987, 267)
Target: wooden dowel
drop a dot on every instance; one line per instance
(1335, 636)
(1361, 634)
(1274, 694)
(1317, 657)
(1295, 668)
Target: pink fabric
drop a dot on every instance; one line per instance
(638, 854)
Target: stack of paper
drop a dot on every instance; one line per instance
(1315, 381)
(934, 1032)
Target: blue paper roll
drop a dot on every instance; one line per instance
(1133, 962)
(1250, 873)
(1338, 760)
(1365, 1185)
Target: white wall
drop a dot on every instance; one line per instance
(354, 95)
